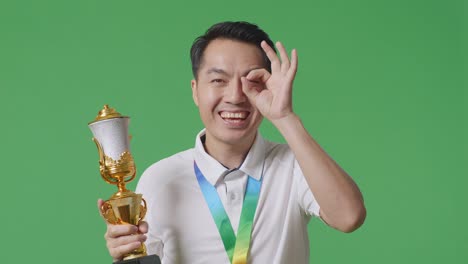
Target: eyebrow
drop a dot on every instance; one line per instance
(216, 70)
(223, 72)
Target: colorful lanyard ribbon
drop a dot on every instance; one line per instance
(236, 248)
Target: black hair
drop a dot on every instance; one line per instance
(240, 31)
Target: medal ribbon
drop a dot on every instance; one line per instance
(236, 248)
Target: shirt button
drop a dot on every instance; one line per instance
(233, 196)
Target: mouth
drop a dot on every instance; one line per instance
(234, 118)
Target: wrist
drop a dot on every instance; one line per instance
(287, 122)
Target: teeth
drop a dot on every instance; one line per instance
(241, 115)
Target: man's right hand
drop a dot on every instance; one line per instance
(123, 239)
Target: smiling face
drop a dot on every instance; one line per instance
(225, 111)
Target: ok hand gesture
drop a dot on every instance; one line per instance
(271, 93)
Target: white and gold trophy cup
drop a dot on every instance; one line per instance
(116, 165)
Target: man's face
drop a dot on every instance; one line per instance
(226, 112)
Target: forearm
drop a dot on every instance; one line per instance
(341, 202)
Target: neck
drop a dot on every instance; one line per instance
(230, 155)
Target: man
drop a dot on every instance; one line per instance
(236, 197)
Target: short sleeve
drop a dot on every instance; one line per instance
(305, 196)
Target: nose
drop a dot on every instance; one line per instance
(234, 93)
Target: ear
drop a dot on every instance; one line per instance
(193, 83)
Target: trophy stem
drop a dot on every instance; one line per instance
(121, 186)
(123, 191)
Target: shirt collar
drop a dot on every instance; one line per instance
(214, 171)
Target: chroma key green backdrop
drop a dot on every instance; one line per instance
(381, 86)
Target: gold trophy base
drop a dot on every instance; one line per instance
(125, 207)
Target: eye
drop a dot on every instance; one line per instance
(218, 82)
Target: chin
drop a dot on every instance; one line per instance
(235, 136)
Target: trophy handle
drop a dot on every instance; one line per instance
(134, 171)
(108, 213)
(102, 164)
(143, 209)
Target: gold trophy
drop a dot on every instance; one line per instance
(116, 165)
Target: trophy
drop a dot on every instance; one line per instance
(116, 165)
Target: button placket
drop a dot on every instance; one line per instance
(234, 197)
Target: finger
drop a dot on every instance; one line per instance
(114, 231)
(125, 240)
(143, 227)
(294, 62)
(284, 57)
(258, 75)
(271, 54)
(118, 252)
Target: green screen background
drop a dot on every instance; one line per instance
(381, 86)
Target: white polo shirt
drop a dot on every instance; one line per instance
(181, 228)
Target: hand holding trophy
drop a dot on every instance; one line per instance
(116, 165)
